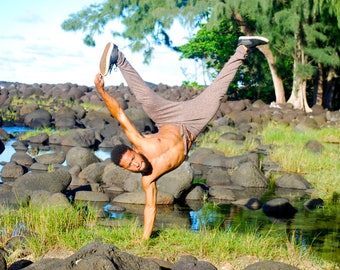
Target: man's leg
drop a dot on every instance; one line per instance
(152, 103)
(195, 114)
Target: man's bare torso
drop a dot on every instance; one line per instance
(165, 150)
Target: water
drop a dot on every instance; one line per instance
(316, 230)
(9, 150)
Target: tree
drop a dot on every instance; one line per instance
(297, 30)
(215, 45)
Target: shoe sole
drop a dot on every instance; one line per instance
(105, 59)
(254, 37)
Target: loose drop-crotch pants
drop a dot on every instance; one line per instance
(193, 115)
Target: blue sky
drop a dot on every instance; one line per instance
(34, 48)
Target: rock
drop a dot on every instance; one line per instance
(163, 198)
(22, 159)
(314, 146)
(313, 204)
(92, 173)
(44, 198)
(51, 158)
(21, 264)
(79, 137)
(80, 156)
(20, 146)
(236, 161)
(270, 265)
(91, 196)
(38, 119)
(97, 256)
(12, 170)
(333, 116)
(4, 136)
(114, 175)
(2, 147)
(252, 203)
(247, 175)
(279, 208)
(218, 177)
(307, 124)
(53, 182)
(197, 193)
(230, 137)
(41, 138)
(222, 193)
(293, 181)
(177, 181)
(188, 262)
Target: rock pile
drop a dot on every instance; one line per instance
(70, 168)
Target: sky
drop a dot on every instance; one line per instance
(35, 49)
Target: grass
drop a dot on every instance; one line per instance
(322, 170)
(48, 229)
(72, 228)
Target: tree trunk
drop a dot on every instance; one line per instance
(277, 80)
(298, 96)
(318, 86)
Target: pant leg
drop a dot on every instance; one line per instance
(152, 103)
(196, 113)
(193, 114)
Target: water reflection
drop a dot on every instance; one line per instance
(317, 230)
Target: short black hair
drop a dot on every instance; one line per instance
(117, 152)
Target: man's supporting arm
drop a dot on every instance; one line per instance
(150, 206)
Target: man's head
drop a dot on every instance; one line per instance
(125, 157)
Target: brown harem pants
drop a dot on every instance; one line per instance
(193, 115)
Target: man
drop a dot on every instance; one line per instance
(179, 123)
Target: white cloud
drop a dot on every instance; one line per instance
(34, 48)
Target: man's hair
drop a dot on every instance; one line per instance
(117, 152)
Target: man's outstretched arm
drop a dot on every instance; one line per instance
(150, 206)
(117, 112)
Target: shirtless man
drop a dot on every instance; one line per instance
(179, 123)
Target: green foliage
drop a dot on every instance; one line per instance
(305, 33)
(193, 85)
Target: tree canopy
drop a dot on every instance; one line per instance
(303, 55)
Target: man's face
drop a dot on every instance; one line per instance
(134, 162)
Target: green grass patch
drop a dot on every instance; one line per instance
(322, 169)
(47, 229)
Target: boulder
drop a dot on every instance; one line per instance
(44, 198)
(38, 119)
(177, 181)
(79, 137)
(51, 158)
(12, 170)
(56, 181)
(191, 263)
(22, 158)
(138, 197)
(82, 157)
(248, 175)
(270, 265)
(279, 208)
(292, 181)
